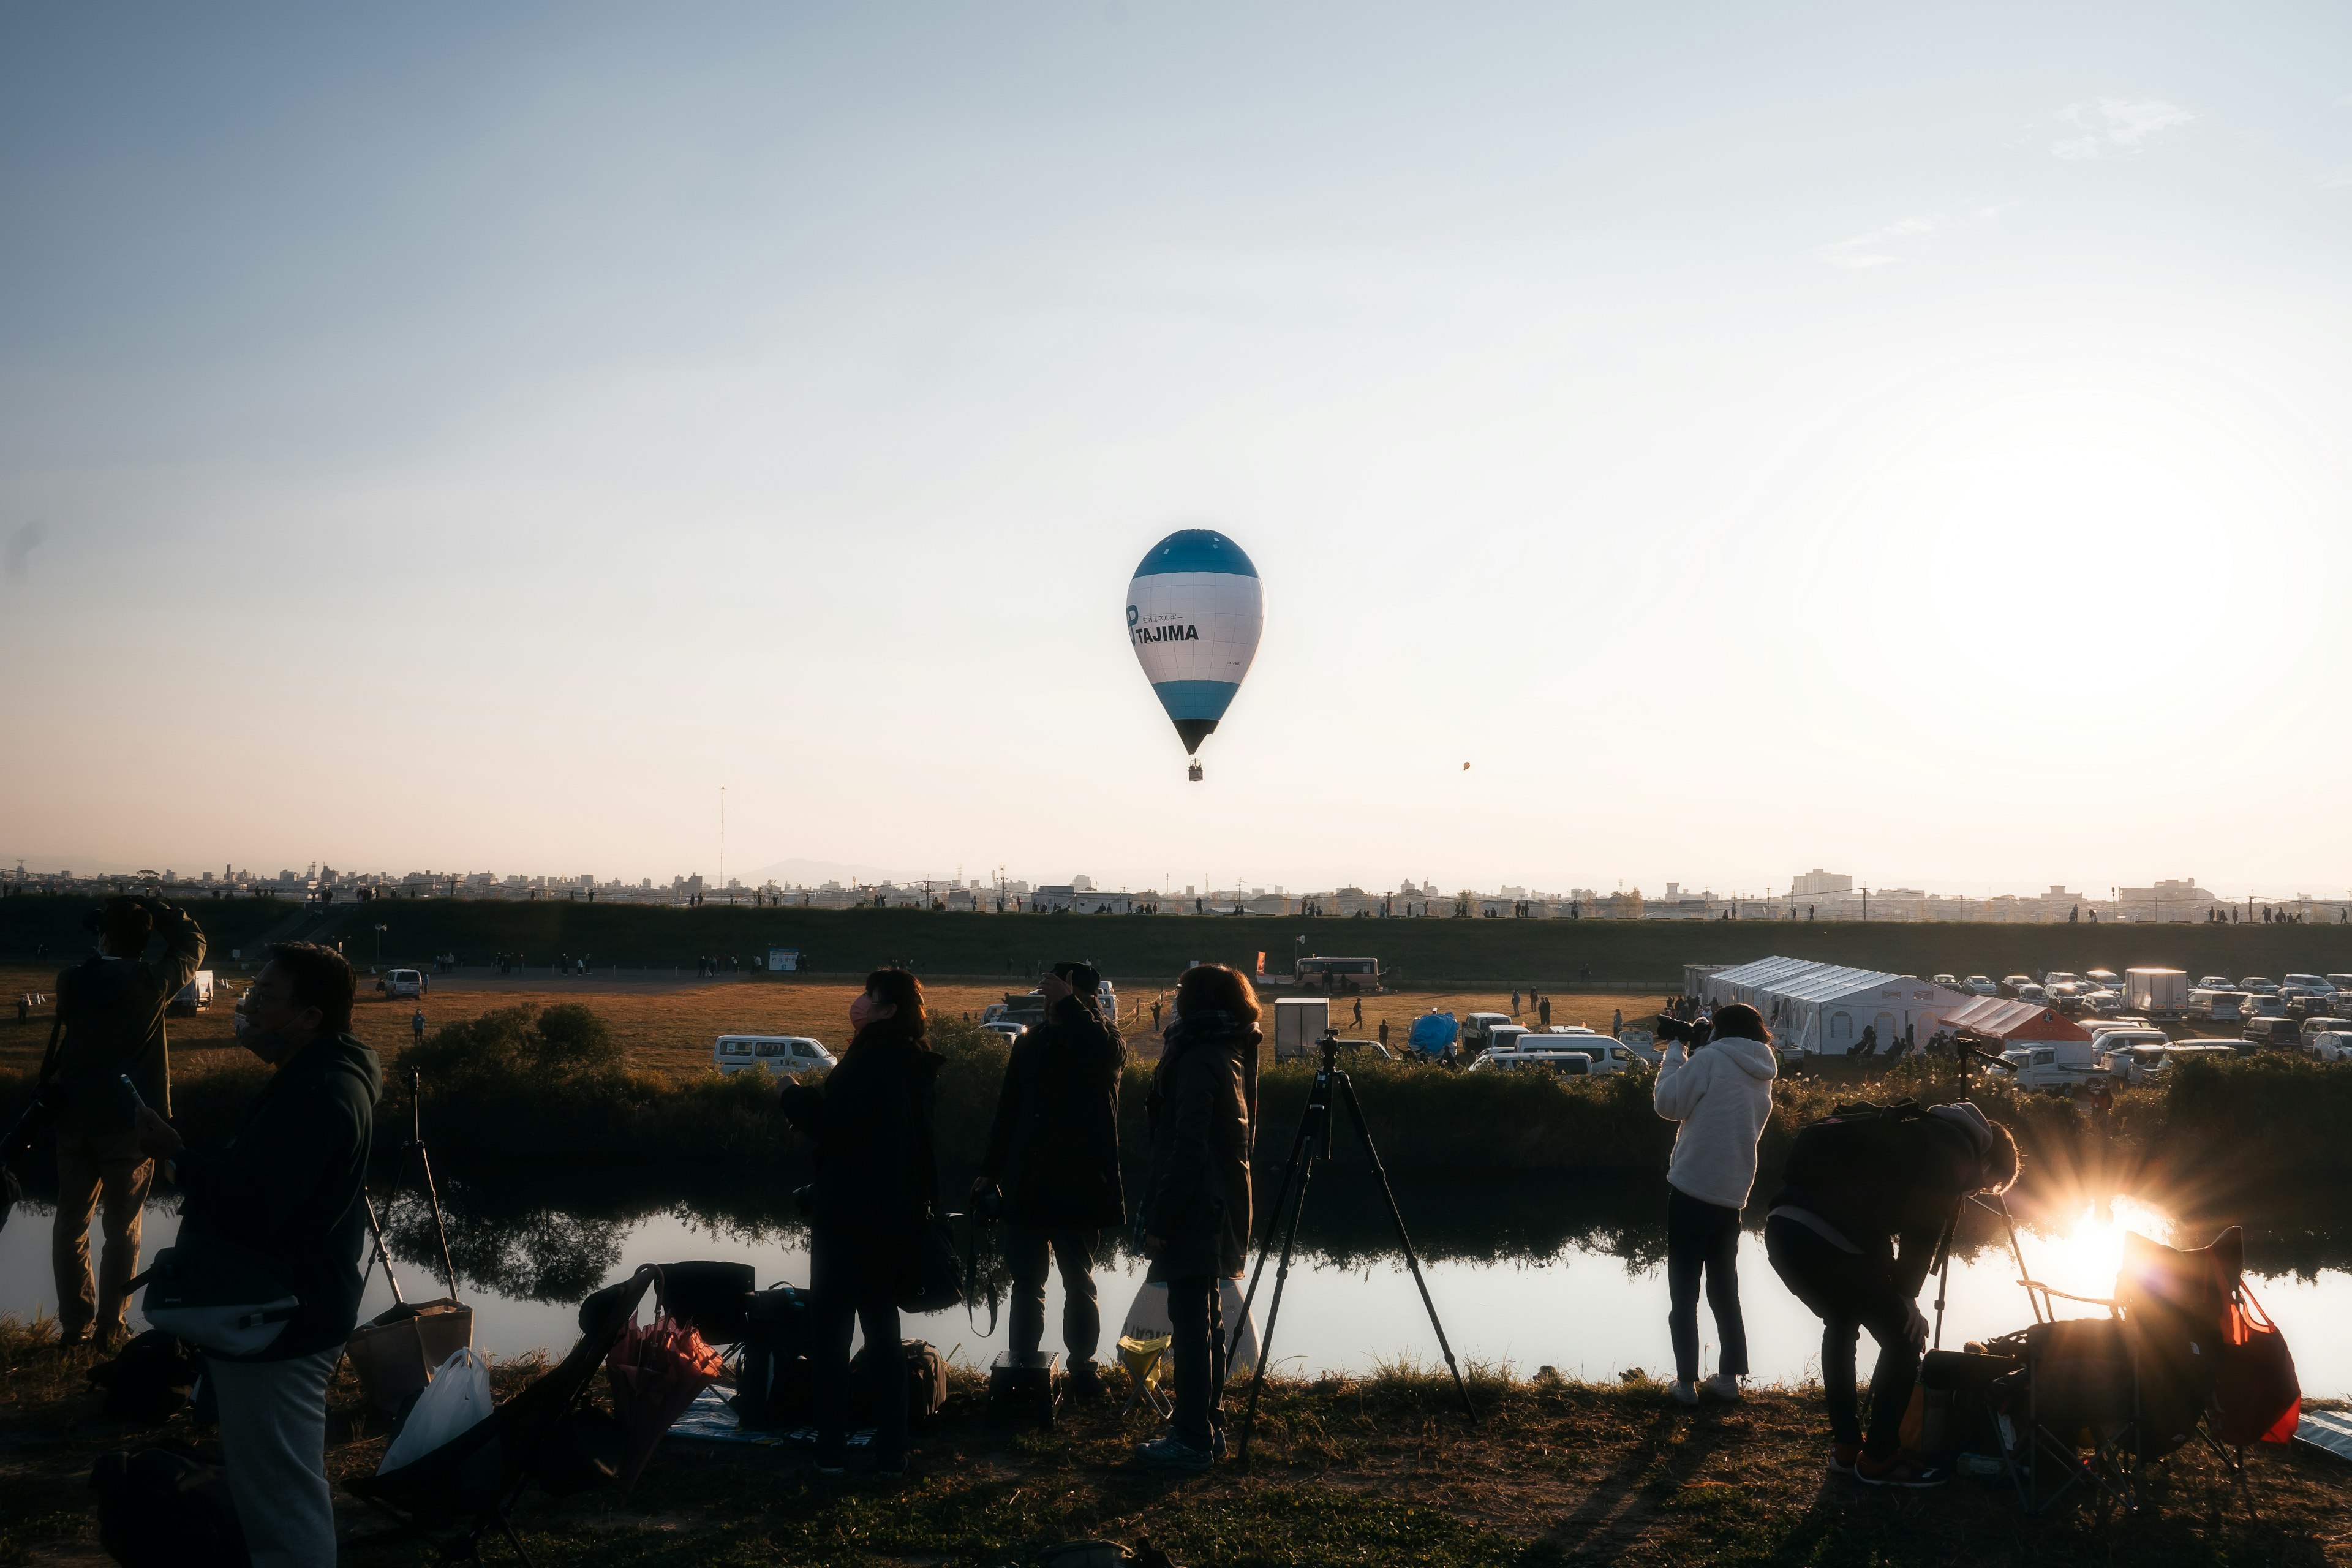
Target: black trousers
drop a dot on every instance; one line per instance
(1848, 1293)
(1073, 1250)
(1196, 1346)
(851, 1277)
(1702, 1238)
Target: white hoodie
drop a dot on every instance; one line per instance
(1721, 1094)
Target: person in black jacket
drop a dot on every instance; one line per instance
(877, 1182)
(288, 1186)
(1053, 1151)
(1856, 1185)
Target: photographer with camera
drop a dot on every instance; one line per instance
(1719, 1092)
(287, 1189)
(1196, 1214)
(108, 1026)
(876, 1180)
(1856, 1183)
(1051, 1171)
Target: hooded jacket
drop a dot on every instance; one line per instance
(289, 1184)
(1203, 1112)
(1053, 1146)
(1722, 1096)
(871, 1121)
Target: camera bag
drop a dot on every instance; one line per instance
(159, 1508)
(224, 1298)
(926, 1380)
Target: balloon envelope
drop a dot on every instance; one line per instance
(1193, 615)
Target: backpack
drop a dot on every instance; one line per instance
(162, 1508)
(1847, 1143)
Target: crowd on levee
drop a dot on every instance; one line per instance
(1851, 1233)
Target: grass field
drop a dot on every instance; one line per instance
(1435, 953)
(1382, 1471)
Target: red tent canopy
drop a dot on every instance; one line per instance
(2012, 1023)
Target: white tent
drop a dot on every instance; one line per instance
(1814, 1007)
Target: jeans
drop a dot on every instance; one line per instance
(1849, 1292)
(273, 1432)
(1024, 1255)
(853, 1277)
(111, 1171)
(1703, 1237)
(1196, 1347)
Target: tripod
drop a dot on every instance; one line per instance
(1310, 1143)
(1942, 1267)
(416, 1146)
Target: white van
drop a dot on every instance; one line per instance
(1517, 1046)
(403, 983)
(194, 997)
(783, 1055)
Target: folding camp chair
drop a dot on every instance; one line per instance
(2104, 1398)
(474, 1479)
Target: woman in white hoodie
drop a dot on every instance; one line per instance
(1721, 1093)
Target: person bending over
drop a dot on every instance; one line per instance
(1720, 1093)
(1196, 1201)
(1053, 1151)
(1856, 1187)
(288, 1186)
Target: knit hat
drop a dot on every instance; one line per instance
(1971, 1124)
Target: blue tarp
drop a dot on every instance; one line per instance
(1433, 1032)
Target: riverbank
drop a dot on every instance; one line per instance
(1380, 1470)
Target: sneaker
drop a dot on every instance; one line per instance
(832, 1463)
(1724, 1385)
(1683, 1392)
(1898, 1470)
(1844, 1457)
(1173, 1453)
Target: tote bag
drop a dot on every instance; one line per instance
(2257, 1397)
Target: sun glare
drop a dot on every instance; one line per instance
(2049, 554)
(2084, 1255)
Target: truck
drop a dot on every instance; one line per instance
(2156, 993)
(2057, 1065)
(194, 997)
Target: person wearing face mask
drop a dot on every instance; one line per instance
(877, 1182)
(110, 1025)
(288, 1186)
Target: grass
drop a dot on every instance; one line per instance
(1380, 1470)
(1437, 954)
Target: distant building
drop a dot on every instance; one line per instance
(1818, 883)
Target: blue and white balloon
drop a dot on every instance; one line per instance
(1193, 615)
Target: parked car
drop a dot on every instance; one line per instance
(2273, 1030)
(1981, 985)
(2010, 984)
(2057, 977)
(2341, 982)
(2217, 983)
(2259, 985)
(2303, 1004)
(2328, 1026)
(1010, 1032)
(2062, 1066)
(1609, 1053)
(1478, 1028)
(2329, 1047)
(194, 997)
(2105, 1002)
(1567, 1064)
(2108, 1043)
(2308, 984)
(2029, 992)
(2220, 1006)
(2103, 979)
(2262, 1005)
(783, 1055)
(2066, 995)
(1946, 981)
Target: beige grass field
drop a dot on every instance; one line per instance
(669, 1026)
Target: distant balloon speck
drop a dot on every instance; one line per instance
(1465, 767)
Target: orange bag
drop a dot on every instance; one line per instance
(2257, 1397)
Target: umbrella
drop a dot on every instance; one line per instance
(655, 1372)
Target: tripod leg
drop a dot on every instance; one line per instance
(433, 1193)
(1274, 1220)
(1272, 1313)
(1413, 1258)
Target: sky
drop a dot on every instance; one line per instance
(1906, 441)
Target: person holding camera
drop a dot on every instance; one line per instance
(1195, 1215)
(1857, 1183)
(287, 1187)
(1719, 1091)
(110, 1027)
(1053, 1163)
(876, 1177)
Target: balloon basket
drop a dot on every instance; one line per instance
(1194, 773)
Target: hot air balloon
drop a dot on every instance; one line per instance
(1193, 614)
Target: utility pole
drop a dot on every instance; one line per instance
(722, 835)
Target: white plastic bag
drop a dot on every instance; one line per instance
(458, 1397)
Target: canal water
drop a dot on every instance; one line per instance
(1560, 1272)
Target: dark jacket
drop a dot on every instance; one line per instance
(1881, 1182)
(1054, 1147)
(112, 1010)
(1203, 1110)
(871, 1122)
(289, 1184)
